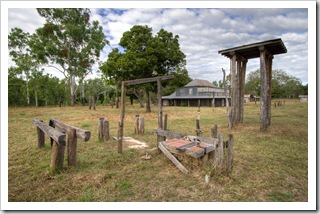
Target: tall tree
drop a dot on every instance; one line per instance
(21, 55)
(68, 39)
(145, 56)
(283, 85)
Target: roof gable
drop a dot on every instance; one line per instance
(200, 83)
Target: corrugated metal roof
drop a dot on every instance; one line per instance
(201, 83)
(275, 46)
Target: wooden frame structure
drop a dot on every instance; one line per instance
(238, 61)
(124, 86)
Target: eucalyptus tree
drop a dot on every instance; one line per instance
(21, 55)
(69, 42)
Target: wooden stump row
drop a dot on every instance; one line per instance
(104, 133)
(58, 141)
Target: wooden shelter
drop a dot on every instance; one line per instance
(238, 61)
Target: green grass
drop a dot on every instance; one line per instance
(269, 166)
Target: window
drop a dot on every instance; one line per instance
(190, 91)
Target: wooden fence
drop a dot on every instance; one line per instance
(58, 141)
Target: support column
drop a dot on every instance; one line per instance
(242, 79)
(265, 91)
(231, 113)
(269, 75)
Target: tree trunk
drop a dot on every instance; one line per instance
(148, 107)
(82, 92)
(36, 97)
(72, 89)
(139, 96)
(131, 99)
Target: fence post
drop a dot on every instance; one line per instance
(219, 155)
(106, 134)
(141, 126)
(214, 131)
(72, 147)
(230, 154)
(136, 124)
(41, 138)
(57, 156)
(100, 134)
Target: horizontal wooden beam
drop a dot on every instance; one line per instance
(177, 135)
(81, 134)
(56, 135)
(146, 80)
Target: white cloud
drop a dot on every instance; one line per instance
(203, 32)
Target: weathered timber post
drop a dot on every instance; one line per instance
(100, 133)
(159, 95)
(213, 101)
(57, 156)
(136, 124)
(51, 125)
(72, 147)
(141, 126)
(229, 162)
(165, 124)
(41, 138)
(198, 130)
(106, 133)
(214, 131)
(122, 112)
(219, 155)
(265, 93)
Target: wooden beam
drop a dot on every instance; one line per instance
(173, 159)
(177, 135)
(82, 134)
(56, 135)
(146, 80)
(263, 91)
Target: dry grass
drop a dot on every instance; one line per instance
(270, 166)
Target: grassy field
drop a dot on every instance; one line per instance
(270, 166)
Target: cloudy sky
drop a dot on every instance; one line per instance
(202, 32)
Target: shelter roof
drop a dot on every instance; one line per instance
(250, 51)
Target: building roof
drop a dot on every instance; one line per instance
(201, 83)
(250, 51)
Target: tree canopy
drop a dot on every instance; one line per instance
(145, 56)
(283, 85)
(70, 40)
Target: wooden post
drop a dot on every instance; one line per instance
(159, 94)
(231, 113)
(165, 124)
(136, 124)
(242, 85)
(51, 125)
(219, 155)
(72, 147)
(141, 126)
(263, 92)
(213, 101)
(41, 138)
(57, 156)
(198, 130)
(121, 119)
(100, 134)
(214, 131)
(106, 133)
(230, 154)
